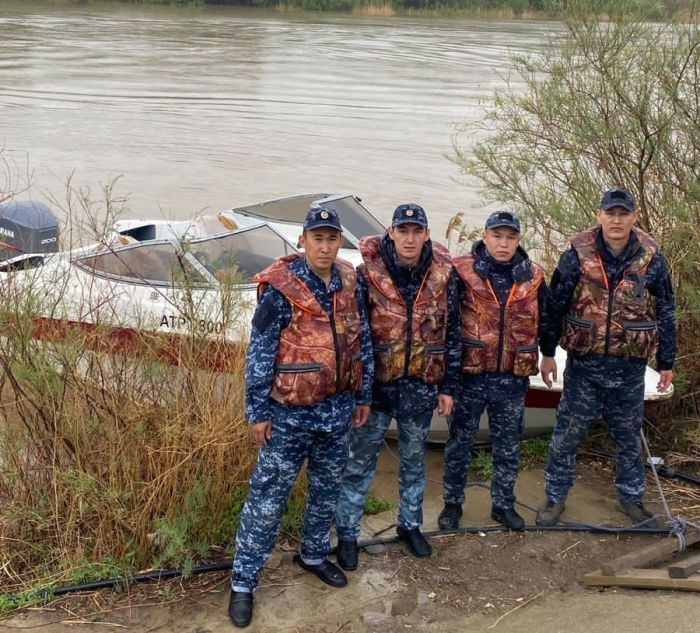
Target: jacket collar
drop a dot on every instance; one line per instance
(518, 268)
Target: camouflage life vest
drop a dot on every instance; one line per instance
(495, 337)
(619, 321)
(407, 347)
(318, 355)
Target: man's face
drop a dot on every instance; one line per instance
(501, 242)
(321, 247)
(408, 240)
(617, 224)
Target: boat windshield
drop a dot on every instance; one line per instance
(236, 257)
(159, 264)
(354, 217)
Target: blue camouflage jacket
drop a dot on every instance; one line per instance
(412, 394)
(274, 313)
(658, 282)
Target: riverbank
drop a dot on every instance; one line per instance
(479, 9)
(475, 582)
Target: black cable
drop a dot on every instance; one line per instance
(569, 527)
(664, 471)
(165, 574)
(109, 583)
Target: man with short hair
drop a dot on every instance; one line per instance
(611, 306)
(501, 293)
(405, 279)
(308, 374)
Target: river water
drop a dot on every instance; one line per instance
(209, 108)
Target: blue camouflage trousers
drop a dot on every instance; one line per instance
(278, 466)
(365, 443)
(503, 397)
(587, 396)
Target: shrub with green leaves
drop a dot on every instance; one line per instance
(613, 100)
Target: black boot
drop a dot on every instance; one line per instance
(508, 517)
(641, 517)
(240, 608)
(449, 517)
(346, 554)
(416, 542)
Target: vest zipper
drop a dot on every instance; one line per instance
(336, 345)
(608, 320)
(501, 332)
(409, 338)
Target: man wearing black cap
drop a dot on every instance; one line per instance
(308, 374)
(500, 296)
(611, 307)
(406, 281)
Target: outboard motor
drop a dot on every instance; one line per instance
(27, 227)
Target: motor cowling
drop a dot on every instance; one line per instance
(27, 227)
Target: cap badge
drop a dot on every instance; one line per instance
(324, 215)
(409, 212)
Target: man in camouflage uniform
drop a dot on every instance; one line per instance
(500, 295)
(308, 374)
(405, 280)
(600, 309)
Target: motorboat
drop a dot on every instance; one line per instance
(170, 279)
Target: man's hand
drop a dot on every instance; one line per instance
(360, 414)
(261, 431)
(548, 367)
(665, 380)
(445, 403)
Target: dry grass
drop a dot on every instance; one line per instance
(114, 456)
(101, 467)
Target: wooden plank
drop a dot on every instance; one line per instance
(648, 554)
(684, 568)
(642, 579)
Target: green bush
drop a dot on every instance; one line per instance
(482, 465)
(612, 101)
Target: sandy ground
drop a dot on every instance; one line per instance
(492, 581)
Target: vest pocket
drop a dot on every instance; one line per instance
(298, 383)
(640, 338)
(577, 335)
(525, 361)
(434, 364)
(472, 356)
(383, 370)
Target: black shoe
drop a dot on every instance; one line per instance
(548, 515)
(416, 542)
(508, 517)
(326, 572)
(641, 517)
(346, 554)
(449, 517)
(240, 608)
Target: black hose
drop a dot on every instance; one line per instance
(165, 574)
(109, 583)
(663, 470)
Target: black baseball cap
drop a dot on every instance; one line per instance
(318, 217)
(618, 198)
(503, 218)
(409, 214)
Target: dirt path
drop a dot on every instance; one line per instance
(473, 582)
